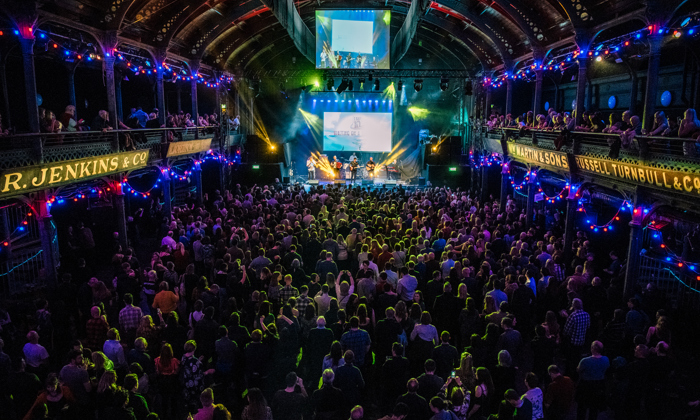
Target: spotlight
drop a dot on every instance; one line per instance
(444, 84)
(418, 85)
(599, 58)
(330, 83)
(685, 22)
(399, 87)
(376, 84)
(342, 86)
(468, 87)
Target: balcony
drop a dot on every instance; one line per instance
(655, 162)
(34, 149)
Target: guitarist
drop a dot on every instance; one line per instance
(370, 165)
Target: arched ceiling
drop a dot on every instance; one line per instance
(237, 34)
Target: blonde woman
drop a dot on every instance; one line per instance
(465, 371)
(151, 332)
(106, 389)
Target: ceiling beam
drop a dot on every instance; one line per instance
(289, 17)
(404, 37)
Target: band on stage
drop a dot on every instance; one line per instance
(348, 169)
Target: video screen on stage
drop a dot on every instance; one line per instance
(357, 131)
(352, 39)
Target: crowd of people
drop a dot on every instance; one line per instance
(627, 125)
(333, 303)
(137, 119)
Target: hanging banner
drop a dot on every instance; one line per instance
(36, 178)
(180, 148)
(558, 160)
(677, 181)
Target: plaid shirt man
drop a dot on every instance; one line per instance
(287, 292)
(576, 326)
(130, 317)
(559, 273)
(357, 341)
(302, 302)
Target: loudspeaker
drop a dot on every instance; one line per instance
(312, 182)
(455, 150)
(285, 180)
(421, 181)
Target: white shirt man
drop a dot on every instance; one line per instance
(34, 353)
(169, 241)
(407, 286)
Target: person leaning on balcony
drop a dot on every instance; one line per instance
(615, 125)
(689, 128)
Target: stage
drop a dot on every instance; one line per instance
(371, 184)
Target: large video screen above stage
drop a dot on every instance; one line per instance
(357, 131)
(352, 39)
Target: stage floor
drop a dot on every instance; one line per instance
(378, 183)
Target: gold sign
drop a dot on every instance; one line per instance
(180, 148)
(557, 160)
(36, 178)
(639, 174)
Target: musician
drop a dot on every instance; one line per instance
(370, 165)
(337, 165)
(353, 169)
(353, 156)
(324, 59)
(311, 166)
(348, 61)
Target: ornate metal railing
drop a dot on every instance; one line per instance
(34, 149)
(667, 152)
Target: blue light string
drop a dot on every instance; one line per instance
(681, 281)
(22, 263)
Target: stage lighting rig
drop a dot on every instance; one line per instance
(376, 85)
(468, 88)
(351, 85)
(399, 87)
(330, 83)
(444, 84)
(342, 86)
(418, 85)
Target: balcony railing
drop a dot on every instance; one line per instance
(670, 149)
(34, 149)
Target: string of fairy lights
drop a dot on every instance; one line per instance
(613, 48)
(671, 256)
(127, 188)
(133, 62)
(487, 160)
